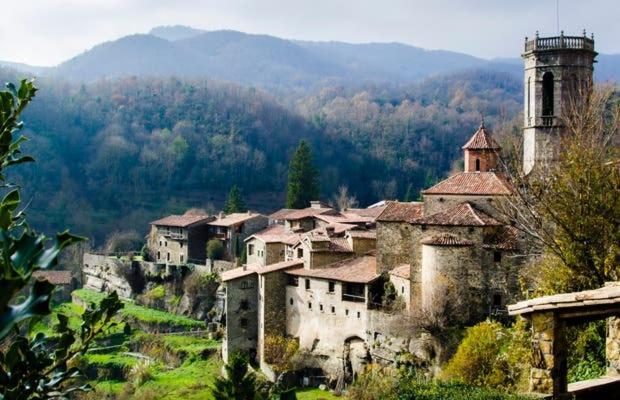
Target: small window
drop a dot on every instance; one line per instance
(300, 253)
(307, 284)
(359, 314)
(166, 244)
(160, 243)
(333, 310)
(497, 256)
(290, 301)
(158, 255)
(477, 164)
(402, 289)
(441, 199)
(168, 256)
(244, 305)
(321, 307)
(497, 300)
(250, 249)
(181, 258)
(293, 280)
(181, 244)
(346, 312)
(331, 287)
(243, 322)
(309, 306)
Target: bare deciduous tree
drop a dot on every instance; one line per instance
(343, 200)
(570, 209)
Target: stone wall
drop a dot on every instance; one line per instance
(271, 315)
(320, 259)
(434, 203)
(612, 346)
(394, 245)
(105, 273)
(444, 273)
(242, 316)
(549, 362)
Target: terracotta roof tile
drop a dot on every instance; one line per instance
(402, 271)
(281, 214)
(445, 240)
(354, 270)
(54, 277)
(234, 219)
(181, 220)
(276, 234)
(279, 266)
(482, 140)
(372, 212)
(463, 214)
(473, 183)
(308, 213)
(505, 238)
(240, 272)
(395, 211)
(340, 245)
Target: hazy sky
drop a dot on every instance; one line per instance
(46, 32)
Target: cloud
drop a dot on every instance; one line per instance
(47, 32)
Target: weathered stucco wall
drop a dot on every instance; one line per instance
(324, 331)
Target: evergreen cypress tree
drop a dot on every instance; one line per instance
(303, 178)
(235, 202)
(238, 384)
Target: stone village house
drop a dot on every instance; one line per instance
(334, 274)
(307, 281)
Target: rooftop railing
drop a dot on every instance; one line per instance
(560, 42)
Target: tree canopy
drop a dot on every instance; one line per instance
(234, 202)
(303, 178)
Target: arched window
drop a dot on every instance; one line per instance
(477, 164)
(547, 94)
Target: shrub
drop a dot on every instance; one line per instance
(141, 372)
(280, 352)
(586, 351)
(375, 383)
(215, 249)
(156, 293)
(493, 356)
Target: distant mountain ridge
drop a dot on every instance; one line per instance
(274, 63)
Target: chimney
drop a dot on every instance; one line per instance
(245, 267)
(221, 215)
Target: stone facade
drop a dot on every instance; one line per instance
(557, 71)
(241, 307)
(394, 244)
(612, 346)
(548, 373)
(261, 253)
(271, 316)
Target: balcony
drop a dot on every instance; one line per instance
(353, 297)
(547, 120)
(559, 42)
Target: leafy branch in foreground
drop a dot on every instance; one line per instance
(34, 368)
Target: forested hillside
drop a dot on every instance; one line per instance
(122, 152)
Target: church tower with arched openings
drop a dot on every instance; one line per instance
(557, 71)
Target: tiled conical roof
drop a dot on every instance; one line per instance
(482, 140)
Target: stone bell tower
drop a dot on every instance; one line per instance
(557, 71)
